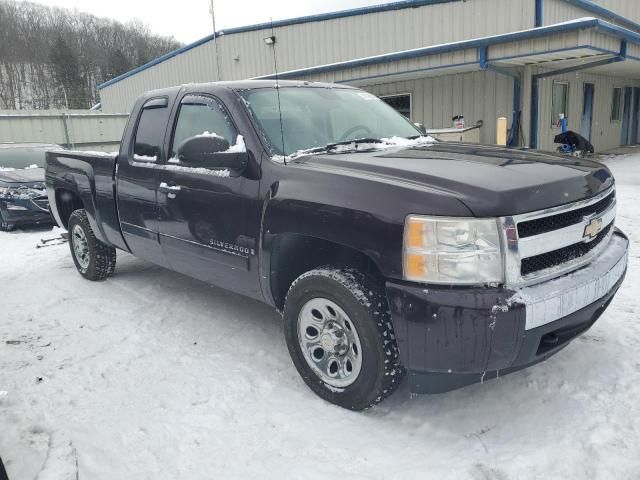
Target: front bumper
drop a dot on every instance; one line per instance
(24, 212)
(450, 337)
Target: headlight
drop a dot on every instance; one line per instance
(462, 251)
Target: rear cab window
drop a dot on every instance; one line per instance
(150, 130)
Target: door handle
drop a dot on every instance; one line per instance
(165, 188)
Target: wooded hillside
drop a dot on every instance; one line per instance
(55, 58)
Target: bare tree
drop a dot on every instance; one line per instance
(54, 58)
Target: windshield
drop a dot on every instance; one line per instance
(22, 157)
(314, 117)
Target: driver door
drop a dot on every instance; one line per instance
(205, 200)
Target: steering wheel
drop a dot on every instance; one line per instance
(367, 132)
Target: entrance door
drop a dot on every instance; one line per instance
(587, 110)
(206, 224)
(626, 116)
(636, 115)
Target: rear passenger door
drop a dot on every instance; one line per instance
(207, 199)
(137, 181)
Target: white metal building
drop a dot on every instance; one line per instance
(527, 60)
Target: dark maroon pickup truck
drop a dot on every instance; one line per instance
(389, 253)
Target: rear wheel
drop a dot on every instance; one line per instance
(94, 260)
(340, 337)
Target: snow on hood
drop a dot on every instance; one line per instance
(385, 143)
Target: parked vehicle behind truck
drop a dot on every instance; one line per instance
(388, 253)
(23, 199)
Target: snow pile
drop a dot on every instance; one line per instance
(145, 158)
(93, 153)
(209, 134)
(384, 144)
(239, 147)
(155, 376)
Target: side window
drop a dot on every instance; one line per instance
(400, 103)
(616, 105)
(201, 116)
(150, 132)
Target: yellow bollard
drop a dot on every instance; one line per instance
(501, 131)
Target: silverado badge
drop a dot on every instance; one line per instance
(592, 229)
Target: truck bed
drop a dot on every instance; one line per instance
(90, 176)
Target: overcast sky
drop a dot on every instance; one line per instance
(189, 20)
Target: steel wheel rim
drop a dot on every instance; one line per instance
(329, 342)
(80, 247)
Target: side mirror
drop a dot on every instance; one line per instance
(421, 127)
(212, 152)
(201, 148)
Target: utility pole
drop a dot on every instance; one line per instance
(215, 40)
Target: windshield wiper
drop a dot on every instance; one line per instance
(331, 146)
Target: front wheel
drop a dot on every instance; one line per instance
(339, 334)
(94, 260)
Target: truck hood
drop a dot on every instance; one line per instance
(490, 181)
(28, 177)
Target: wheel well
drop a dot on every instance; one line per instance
(67, 202)
(293, 254)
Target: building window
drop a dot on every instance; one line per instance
(400, 103)
(616, 105)
(560, 102)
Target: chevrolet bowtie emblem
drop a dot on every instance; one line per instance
(592, 229)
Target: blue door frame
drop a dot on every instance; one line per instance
(587, 110)
(635, 116)
(626, 116)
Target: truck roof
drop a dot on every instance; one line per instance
(243, 85)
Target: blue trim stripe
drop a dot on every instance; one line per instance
(479, 43)
(281, 23)
(593, 7)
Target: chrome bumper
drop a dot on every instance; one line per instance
(552, 300)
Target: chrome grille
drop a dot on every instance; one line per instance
(565, 219)
(549, 243)
(562, 255)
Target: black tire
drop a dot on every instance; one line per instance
(101, 258)
(365, 303)
(5, 226)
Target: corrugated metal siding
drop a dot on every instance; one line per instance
(91, 131)
(560, 11)
(476, 95)
(328, 41)
(606, 134)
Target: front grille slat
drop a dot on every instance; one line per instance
(565, 219)
(561, 256)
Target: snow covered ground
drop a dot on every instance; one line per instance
(151, 375)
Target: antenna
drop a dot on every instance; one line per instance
(275, 67)
(215, 39)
